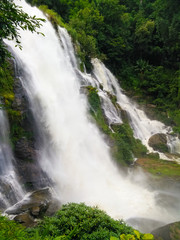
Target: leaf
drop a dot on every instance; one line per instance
(137, 234)
(148, 236)
(123, 237)
(114, 238)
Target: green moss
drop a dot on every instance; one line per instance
(53, 17)
(6, 82)
(96, 110)
(175, 115)
(161, 147)
(125, 146)
(113, 98)
(7, 97)
(159, 167)
(16, 129)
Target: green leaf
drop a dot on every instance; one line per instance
(114, 238)
(148, 236)
(137, 234)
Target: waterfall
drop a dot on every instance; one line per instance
(142, 126)
(10, 189)
(72, 150)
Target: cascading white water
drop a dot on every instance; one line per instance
(142, 126)
(73, 152)
(10, 189)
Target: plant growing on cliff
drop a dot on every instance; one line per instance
(124, 143)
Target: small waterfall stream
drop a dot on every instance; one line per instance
(10, 188)
(72, 151)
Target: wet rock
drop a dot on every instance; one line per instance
(34, 206)
(8, 193)
(168, 232)
(35, 210)
(124, 115)
(158, 142)
(31, 175)
(24, 149)
(25, 219)
(2, 205)
(39, 198)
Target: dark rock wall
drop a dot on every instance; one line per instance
(24, 137)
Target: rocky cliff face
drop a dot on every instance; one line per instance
(23, 136)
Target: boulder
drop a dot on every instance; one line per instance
(25, 219)
(158, 142)
(168, 232)
(34, 206)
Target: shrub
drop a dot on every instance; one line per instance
(78, 221)
(10, 230)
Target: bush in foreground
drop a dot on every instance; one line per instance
(78, 221)
(73, 222)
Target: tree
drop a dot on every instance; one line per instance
(12, 18)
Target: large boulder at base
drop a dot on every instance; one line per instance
(25, 219)
(168, 232)
(158, 142)
(34, 206)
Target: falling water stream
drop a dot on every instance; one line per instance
(72, 149)
(10, 188)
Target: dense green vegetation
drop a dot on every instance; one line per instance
(160, 167)
(124, 146)
(138, 40)
(73, 221)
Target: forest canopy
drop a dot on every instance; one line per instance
(139, 40)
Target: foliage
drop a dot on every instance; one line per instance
(53, 17)
(12, 18)
(96, 110)
(78, 221)
(139, 42)
(73, 221)
(175, 115)
(11, 230)
(124, 143)
(6, 81)
(160, 167)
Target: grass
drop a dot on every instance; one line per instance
(159, 167)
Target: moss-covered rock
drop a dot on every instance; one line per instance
(158, 142)
(122, 142)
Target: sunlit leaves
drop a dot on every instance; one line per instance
(12, 18)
